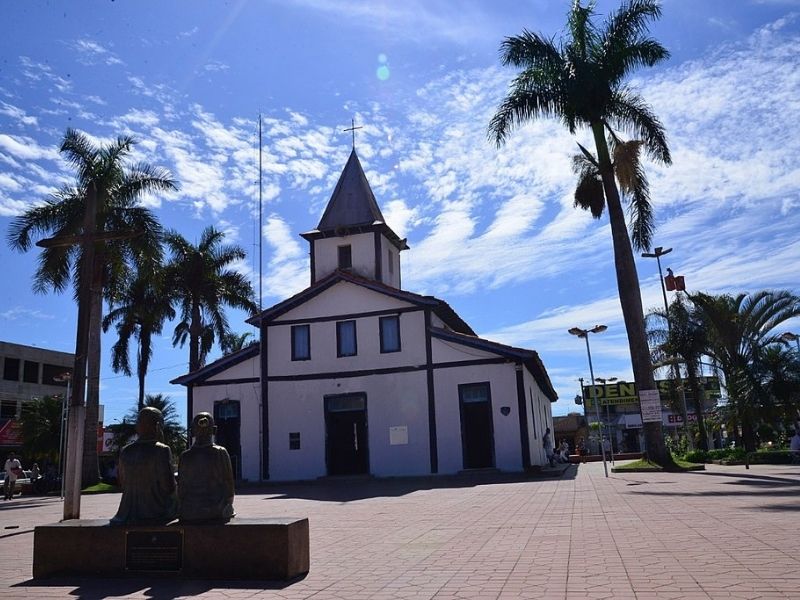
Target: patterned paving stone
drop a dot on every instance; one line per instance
(724, 533)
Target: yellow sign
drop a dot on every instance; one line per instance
(622, 392)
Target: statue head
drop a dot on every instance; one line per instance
(149, 424)
(203, 429)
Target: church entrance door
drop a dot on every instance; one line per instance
(227, 418)
(346, 449)
(477, 430)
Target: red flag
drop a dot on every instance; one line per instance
(670, 281)
(680, 284)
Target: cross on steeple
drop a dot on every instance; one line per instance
(353, 129)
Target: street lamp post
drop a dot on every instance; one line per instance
(61, 379)
(584, 333)
(660, 251)
(608, 416)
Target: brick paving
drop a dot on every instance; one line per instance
(724, 533)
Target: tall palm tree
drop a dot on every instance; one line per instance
(581, 81)
(740, 329)
(139, 309)
(685, 337)
(202, 283)
(779, 373)
(117, 186)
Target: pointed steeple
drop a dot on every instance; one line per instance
(352, 203)
(352, 234)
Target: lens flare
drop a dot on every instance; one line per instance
(383, 73)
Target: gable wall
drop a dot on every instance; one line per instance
(246, 368)
(340, 299)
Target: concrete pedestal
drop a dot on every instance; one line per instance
(266, 549)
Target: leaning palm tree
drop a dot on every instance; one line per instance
(684, 337)
(740, 329)
(117, 185)
(202, 282)
(581, 81)
(138, 310)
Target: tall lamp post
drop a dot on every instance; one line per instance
(64, 377)
(608, 416)
(658, 252)
(584, 333)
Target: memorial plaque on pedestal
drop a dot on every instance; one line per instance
(154, 551)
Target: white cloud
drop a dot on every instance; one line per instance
(92, 52)
(17, 114)
(287, 269)
(26, 148)
(18, 312)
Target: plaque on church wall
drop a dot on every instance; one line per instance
(398, 436)
(154, 551)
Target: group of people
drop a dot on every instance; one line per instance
(555, 455)
(204, 491)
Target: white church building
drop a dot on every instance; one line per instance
(354, 375)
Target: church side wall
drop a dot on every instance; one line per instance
(539, 418)
(503, 389)
(392, 400)
(246, 368)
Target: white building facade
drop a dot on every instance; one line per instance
(354, 375)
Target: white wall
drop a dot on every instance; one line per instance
(326, 255)
(393, 279)
(341, 299)
(249, 396)
(398, 399)
(348, 298)
(503, 385)
(447, 351)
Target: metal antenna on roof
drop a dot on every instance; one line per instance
(353, 129)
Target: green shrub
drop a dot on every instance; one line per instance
(729, 454)
(696, 456)
(771, 457)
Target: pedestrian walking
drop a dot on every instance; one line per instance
(549, 449)
(13, 469)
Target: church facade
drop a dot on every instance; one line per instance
(354, 375)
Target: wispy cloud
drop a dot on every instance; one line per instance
(17, 114)
(92, 52)
(26, 148)
(19, 312)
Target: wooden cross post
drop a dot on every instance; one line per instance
(353, 129)
(76, 416)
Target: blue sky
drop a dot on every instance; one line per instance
(491, 231)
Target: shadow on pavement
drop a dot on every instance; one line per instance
(98, 589)
(349, 489)
(750, 478)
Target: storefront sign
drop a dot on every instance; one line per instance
(650, 402)
(624, 393)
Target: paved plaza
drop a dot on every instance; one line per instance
(723, 533)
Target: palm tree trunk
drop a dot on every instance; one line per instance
(630, 297)
(697, 396)
(141, 371)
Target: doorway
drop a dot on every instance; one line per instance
(477, 429)
(227, 418)
(346, 449)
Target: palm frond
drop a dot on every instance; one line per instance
(622, 46)
(589, 194)
(628, 111)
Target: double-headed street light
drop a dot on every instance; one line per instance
(604, 381)
(658, 252)
(584, 333)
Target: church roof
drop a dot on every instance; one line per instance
(219, 365)
(353, 208)
(352, 202)
(529, 358)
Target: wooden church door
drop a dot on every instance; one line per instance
(477, 431)
(346, 435)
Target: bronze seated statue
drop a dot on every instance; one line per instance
(205, 477)
(145, 475)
